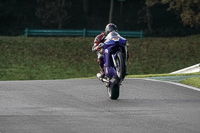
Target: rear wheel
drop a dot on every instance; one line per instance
(113, 92)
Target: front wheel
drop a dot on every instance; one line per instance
(120, 69)
(113, 92)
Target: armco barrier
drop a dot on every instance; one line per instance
(191, 69)
(84, 33)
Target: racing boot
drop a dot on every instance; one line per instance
(102, 73)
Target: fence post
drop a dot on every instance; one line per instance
(141, 35)
(84, 33)
(26, 32)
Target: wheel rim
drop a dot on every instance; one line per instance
(118, 68)
(109, 92)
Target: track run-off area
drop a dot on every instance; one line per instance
(83, 106)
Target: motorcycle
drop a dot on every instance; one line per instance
(115, 62)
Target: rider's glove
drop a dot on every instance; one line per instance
(97, 48)
(100, 46)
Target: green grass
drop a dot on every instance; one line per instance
(45, 58)
(194, 81)
(161, 75)
(36, 58)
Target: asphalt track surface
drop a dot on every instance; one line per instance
(83, 106)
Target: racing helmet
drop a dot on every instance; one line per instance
(110, 27)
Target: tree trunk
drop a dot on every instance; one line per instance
(86, 6)
(121, 8)
(111, 10)
(60, 24)
(60, 16)
(149, 20)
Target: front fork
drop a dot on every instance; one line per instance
(114, 58)
(126, 59)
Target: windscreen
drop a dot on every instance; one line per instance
(111, 35)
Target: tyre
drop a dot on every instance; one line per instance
(113, 92)
(120, 69)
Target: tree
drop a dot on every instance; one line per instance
(111, 10)
(86, 6)
(189, 10)
(53, 13)
(145, 16)
(149, 18)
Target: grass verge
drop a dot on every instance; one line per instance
(38, 58)
(161, 75)
(194, 81)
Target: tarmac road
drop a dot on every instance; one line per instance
(83, 106)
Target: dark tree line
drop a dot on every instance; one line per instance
(154, 17)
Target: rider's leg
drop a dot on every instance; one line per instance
(128, 55)
(101, 64)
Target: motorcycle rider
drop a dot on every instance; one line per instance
(99, 43)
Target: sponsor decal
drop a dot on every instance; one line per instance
(112, 80)
(106, 70)
(116, 39)
(106, 50)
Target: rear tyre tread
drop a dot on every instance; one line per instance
(113, 92)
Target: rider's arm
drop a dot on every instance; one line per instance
(94, 49)
(97, 43)
(127, 44)
(128, 55)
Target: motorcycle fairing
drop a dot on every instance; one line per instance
(112, 46)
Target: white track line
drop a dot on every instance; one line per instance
(178, 84)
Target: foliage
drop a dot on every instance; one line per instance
(15, 15)
(53, 13)
(189, 9)
(129, 15)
